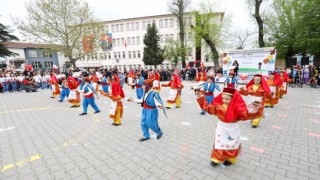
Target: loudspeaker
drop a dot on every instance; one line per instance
(291, 62)
(191, 64)
(304, 61)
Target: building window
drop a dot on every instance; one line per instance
(112, 28)
(106, 28)
(134, 54)
(68, 64)
(160, 23)
(138, 40)
(117, 28)
(115, 55)
(48, 64)
(144, 25)
(123, 55)
(129, 40)
(132, 26)
(47, 54)
(137, 26)
(161, 39)
(138, 54)
(128, 26)
(129, 54)
(171, 23)
(121, 27)
(33, 53)
(154, 22)
(119, 55)
(109, 55)
(133, 41)
(166, 22)
(36, 65)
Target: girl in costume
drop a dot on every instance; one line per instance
(257, 87)
(230, 108)
(175, 92)
(274, 82)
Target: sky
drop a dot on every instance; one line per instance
(119, 9)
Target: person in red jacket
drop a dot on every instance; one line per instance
(174, 97)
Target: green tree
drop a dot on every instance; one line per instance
(152, 52)
(295, 27)
(173, 51)
(6, 36)
(208, 27)
(62, 24)
(178, 8)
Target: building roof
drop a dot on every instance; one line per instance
(22, 45)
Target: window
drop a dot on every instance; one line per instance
(122, 42)
(138, 54)
(134, 54)
(121, 27)
(132, 26)
(47, 54)
(109, 55)
(137, 26)
(123, 55)
(33, 53)
(118, 42)
(68, 64)
(112, 28)
(129, 40)
(138, 40)
(119, 55)
(48, 64)
(154, 22)
(115, 55)
(160, 23)
(144, 26)
(128, 26)
(117, 28)
(171, 22)
(106, 28)
(171, 36)
(161, 39)
(36, 65)
(166, 22)
(129, 54)
(133, 41)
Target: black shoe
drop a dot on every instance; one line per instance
(271, 106)
(143, 139)
(73, 106)
(113, 124)
(50, 96)
(159, 136)
(213, 164)
(97, 112)
(60, 101)
(227, 163)
(83, 114)
(203, 113)
(168, 107)
(254, 126)
(77, 106)
(266, 106)
(116, 124)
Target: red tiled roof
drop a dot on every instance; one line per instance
(21, 45)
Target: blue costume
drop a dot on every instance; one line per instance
(105, 85)
(64, 91)
(150, 114)
(88, 91)
(233, 81)
(208, 89)
(139, 90)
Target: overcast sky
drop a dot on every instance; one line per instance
(118, 9)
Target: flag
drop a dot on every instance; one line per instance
(87, 42)
(125, 43)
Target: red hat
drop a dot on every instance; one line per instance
(148, 82)
(236, 106)
(229, 89)
(116, 89)
(264, 84)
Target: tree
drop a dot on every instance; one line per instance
(173, 51)
(208, 27)
(5, 36)
(62, 24)
(178, 8)
(242, 38)
(295, 27)
(152, 52)
(257, 16)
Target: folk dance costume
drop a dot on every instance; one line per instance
(130, 79)
(285, 80)
(105, 84)
(64, 90)
(231, 80)
(201, 79)
(174, 97)
(74, 95)
(208, 89)
(54, 82)
(230, 108)
(88, 96)
(149, 117)
(94, 81)
(116, 108)
(274, 82)
(156, 82)
(257, 87)
(138, 83)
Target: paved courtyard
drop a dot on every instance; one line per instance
(41, 138)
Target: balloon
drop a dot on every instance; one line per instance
(270, 57)
(225, 62)
(272, 61)
(229, 62)
(265, 61)
(228, 59)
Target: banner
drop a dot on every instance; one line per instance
(251, 61)
(106, 42)
(87, 42)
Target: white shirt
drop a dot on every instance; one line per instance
(145, 97)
